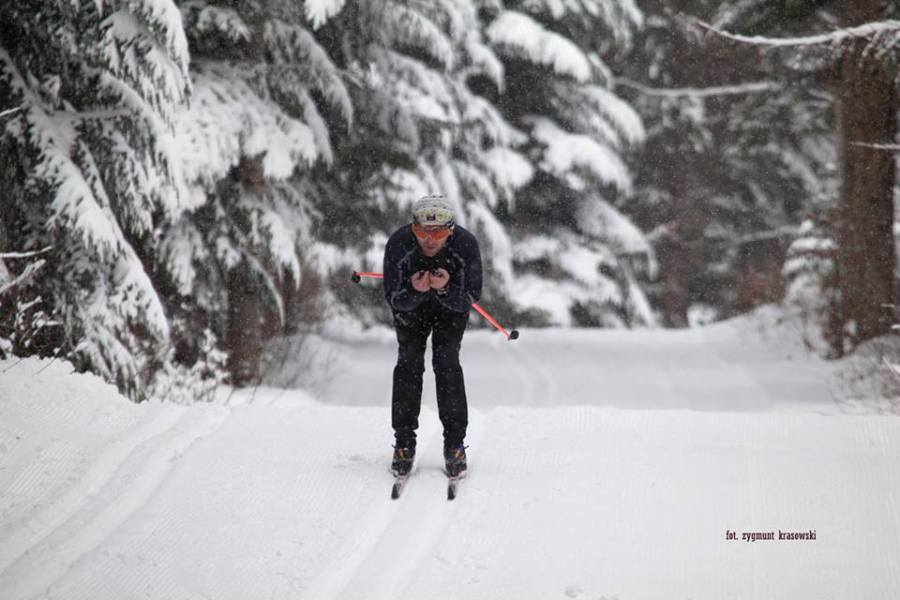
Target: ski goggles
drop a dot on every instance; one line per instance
(435, 234)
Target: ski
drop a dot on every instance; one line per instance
(399, 483)
(452, 484)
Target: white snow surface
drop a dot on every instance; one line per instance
(603, 464)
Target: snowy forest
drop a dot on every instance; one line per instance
(185, 180)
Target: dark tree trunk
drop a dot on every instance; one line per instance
(866, 115)
(674, 265)
(246, 318)
(244, 337)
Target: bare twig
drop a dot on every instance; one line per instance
(721, 90)
(44, 368)
(15, 364)
(891, 368)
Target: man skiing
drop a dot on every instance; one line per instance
(432, 275)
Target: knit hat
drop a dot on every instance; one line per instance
(431, 211)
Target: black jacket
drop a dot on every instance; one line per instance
(460, 256)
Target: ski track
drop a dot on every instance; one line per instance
(525, 379)
(375, 546)
(114, 490)
(641, 481)
(45, 519)
(396, 536)
(440, 518)
(535, 375)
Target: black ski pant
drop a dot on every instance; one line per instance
(446, 329)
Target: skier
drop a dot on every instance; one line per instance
(432, 275)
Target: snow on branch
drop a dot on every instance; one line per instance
(523, 37)
(862, 31)
(778, 232)
(11, 111)
(885, 147)
(721, 90)
(25, 254)
(27, 274)
(319, 11)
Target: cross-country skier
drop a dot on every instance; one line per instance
(432, 275)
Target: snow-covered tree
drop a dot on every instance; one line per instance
(266, 98)
(575, 251)
(812, 294)
(733, 161)
(853, 48)
(91, 169)
(420, 129)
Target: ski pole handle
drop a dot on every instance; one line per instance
(510, 335)
(357, 275)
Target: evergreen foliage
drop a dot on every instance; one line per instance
(201, 168)
(577, 254)
(92, 170)
(727, 176)
(858, 63)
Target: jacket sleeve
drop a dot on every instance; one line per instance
(464, 288)
(398, 291)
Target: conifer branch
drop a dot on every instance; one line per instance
(27, 274)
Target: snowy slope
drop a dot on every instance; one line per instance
(604, 465)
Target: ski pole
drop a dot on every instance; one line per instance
(510, 335)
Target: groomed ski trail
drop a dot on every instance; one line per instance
(601, 467)
(397, 535)
(114, 490)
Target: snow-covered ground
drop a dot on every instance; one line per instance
(604, 464)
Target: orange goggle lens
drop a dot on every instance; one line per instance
(435, 235)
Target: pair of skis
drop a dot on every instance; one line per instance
(400, 483)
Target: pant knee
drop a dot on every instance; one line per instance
(443, 360)
(411, 358)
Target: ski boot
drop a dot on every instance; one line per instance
(455, 460)
(403, 460)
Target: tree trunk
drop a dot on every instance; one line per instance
(866, 115)
(244, 337)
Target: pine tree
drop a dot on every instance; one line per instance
(256, 130)
(734, 161)
(91, 170)
(859, 64)
(575, 250)
(421, 129)
(867, 115)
